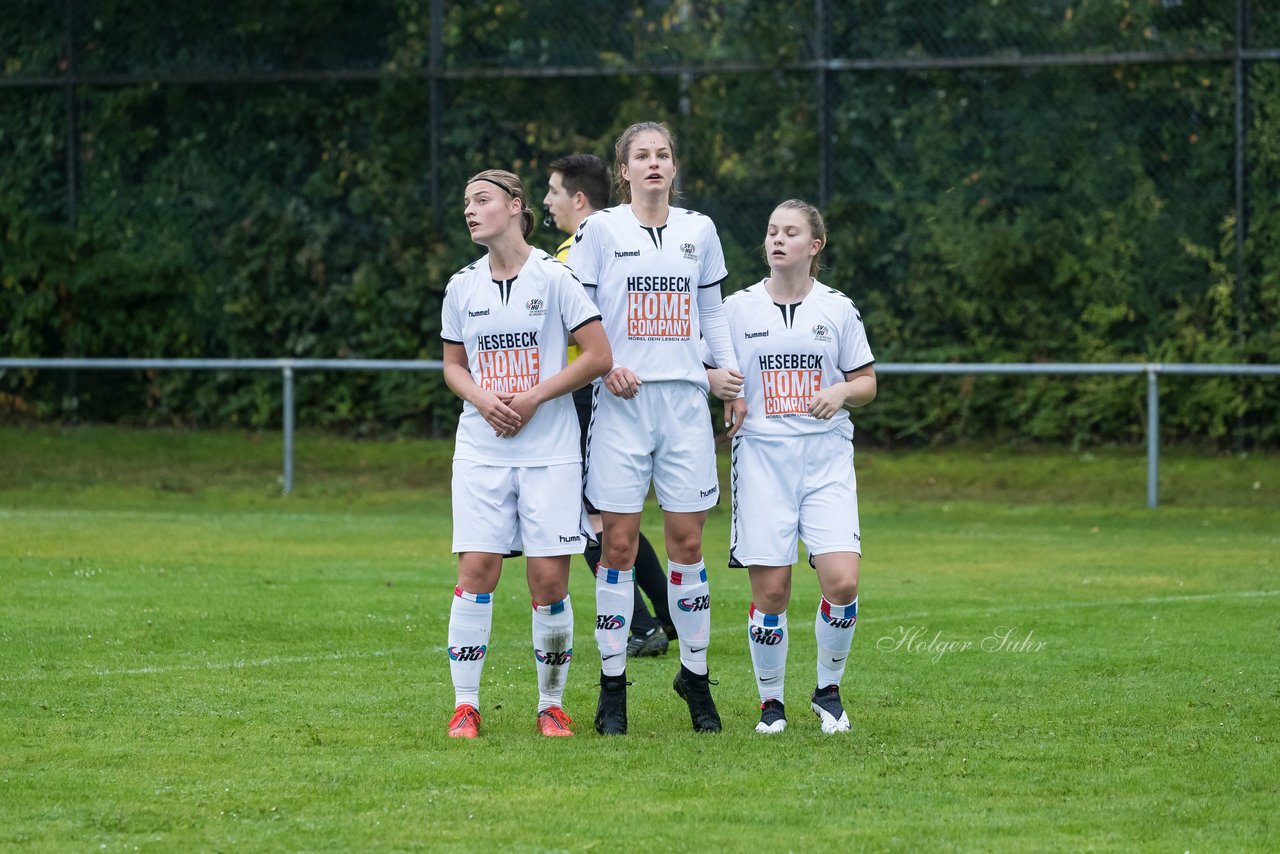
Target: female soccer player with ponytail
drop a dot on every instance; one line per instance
(505, 323)
(805, 357)
(655, 272)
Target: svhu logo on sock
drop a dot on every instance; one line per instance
(554, 658)
(695, 603)
(765, 636)
(609, 622)
(467, 653)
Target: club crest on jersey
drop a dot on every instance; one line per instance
(536, 307)
(821, 332)
(690, 251)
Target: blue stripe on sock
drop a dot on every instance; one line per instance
(614, 576)
(557, 607)
(770, 620)
(483, 598)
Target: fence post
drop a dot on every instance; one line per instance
(1153, 436)
(287, 372)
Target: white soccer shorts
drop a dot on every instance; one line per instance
(498, 508)
(663, 435)
(787, 488)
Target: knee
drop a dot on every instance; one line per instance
(549, 592)
(771, 590)
(685, 546)
(619, 549)
(841, 592)
(478, 572)
(772, 600)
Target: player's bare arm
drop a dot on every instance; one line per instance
(858, 389)
(595, 359)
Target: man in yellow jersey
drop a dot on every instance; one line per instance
(577, 188)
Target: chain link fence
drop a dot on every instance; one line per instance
(1043, 168)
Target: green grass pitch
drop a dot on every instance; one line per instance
(191, 662)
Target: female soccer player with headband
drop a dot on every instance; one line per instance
(505, 324)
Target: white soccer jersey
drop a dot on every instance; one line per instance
(515, 336)
(646, 282)
(788, 352)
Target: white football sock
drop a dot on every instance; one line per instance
(615, 599)
(470, 620)
(833, 628)
(768, 638)
(552, 650)
(689, 599)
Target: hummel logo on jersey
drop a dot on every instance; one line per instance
(576, 538)
(694, 604)
(764, 334)
(707, 493)
(690, 251)
(635, 253)
(555, 659)
(765, 636)
(467, 653)
(609, 622)
(482, 313)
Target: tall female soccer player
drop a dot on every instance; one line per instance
(505, 324)
(805, 355)
(655, 272)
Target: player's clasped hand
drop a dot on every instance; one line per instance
(524, 405)
(725, 384)
(826, 403)
(504, 420)
(623, 383)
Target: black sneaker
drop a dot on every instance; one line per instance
(773, 717)
(644, 646)
(696, 691)
(829, 709)
(611, 711)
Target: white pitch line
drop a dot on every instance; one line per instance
(241, 663)
(277, 660)
(1062, 606)
(237, 664)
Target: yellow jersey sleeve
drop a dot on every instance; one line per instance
(562, 254)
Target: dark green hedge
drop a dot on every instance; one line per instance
(1081, 213)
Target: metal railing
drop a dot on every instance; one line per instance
(287, 367)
